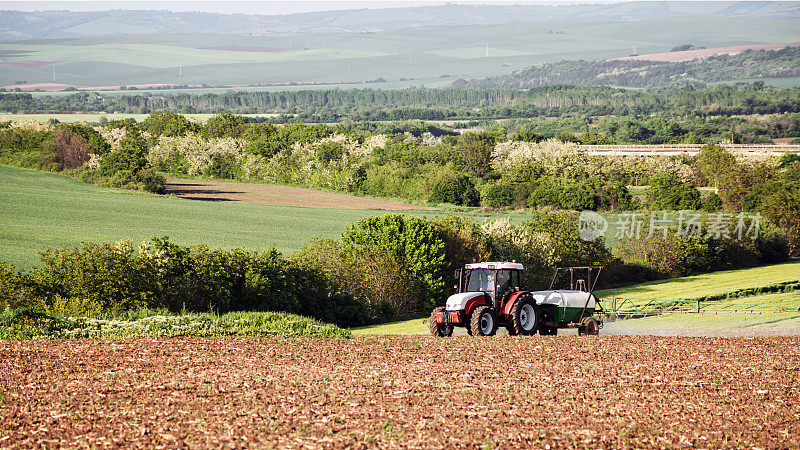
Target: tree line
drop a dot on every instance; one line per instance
(431, 104)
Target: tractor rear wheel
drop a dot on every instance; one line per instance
(589, 326)
(525, 317)
(483, 322)
(439, 329)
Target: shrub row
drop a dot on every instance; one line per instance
(27, 323)
(381, 267)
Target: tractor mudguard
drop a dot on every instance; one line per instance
(506, 309)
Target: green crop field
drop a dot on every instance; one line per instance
(43, 210)
(430, 56)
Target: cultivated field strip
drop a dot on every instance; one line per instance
(564, 391)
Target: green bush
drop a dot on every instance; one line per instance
(619, 273)
(11, 288)
(476, 152)
(131, 156)
(413, 245)
(711, 203)
(547, 192)
(578, 196)
(455, 189)
(165, 123)
(27, 148)
(668, 193)
(329, 151)
(676, 256)
(223, 166)
(366, 285)
(498, 195)
(224, 125)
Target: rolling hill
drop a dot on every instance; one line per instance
(48, 24)
(431, 56)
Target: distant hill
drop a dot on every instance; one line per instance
(19, 25)
(688, 55)
(784, 63)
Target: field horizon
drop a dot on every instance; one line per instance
(433, 56)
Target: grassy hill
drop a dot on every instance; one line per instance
(268, 19)
(425, 55)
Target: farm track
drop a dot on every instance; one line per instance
(565, 391)
(278, 195)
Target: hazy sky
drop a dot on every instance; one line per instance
(253, 7)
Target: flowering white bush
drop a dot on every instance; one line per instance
(32, 125)
(197, 151)
(301, 164)
(370, 144)
(558, 158)
(93, 162)
(509, 239)
(112, 136)
(429, 140)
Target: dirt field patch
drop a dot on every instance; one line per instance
(276, 195)
(689, 55)
(557, 391)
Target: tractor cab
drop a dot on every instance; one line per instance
(495, 279)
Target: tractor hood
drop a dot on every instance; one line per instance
(457, 302)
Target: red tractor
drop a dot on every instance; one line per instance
(489, 296)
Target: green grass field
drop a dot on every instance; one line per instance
(430, 56)
(709, 284)
(723, 320)
(42, 210)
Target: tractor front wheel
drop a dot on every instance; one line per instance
(483, 322)
(589, 326)
(525, 317)
(439, 329)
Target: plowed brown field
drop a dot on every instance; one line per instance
(278, 195)
(563, 391)
(688, 55)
